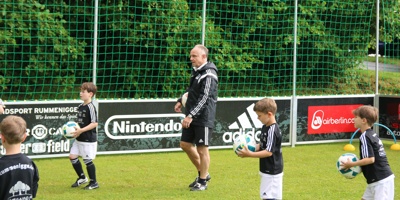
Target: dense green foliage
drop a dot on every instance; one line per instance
(35, 43)
(47, 46)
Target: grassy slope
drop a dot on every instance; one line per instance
(389, 82)
(362, 81)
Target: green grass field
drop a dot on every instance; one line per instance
(309, 173)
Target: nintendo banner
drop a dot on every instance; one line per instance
(327, 118)
(135, 126)
(389, 116)
(143, 126)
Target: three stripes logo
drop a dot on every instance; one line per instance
(246, 123)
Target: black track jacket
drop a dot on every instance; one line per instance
(201, 103)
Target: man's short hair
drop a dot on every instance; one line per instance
(203, 48)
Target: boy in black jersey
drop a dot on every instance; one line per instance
(373, 160)
(269, 150)
(19, 175)
(85, 144)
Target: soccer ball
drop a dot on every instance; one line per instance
(184, 99)
(69, 128)
(244, 140)
(348, 173)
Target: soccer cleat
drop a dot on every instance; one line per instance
(91, 186)
(194, 182)
(208, 178)
(199, 187)
(79, 182)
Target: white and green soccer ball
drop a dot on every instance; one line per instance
(244, 140)
(68, 128)
(348, 173)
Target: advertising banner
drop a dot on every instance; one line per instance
(389, 116)
(134, 126)
(327, 118)
(147, 126)
(44, 121)
(331, 119)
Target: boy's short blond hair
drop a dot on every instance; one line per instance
(266, 105)
(13, 129)
(367, 112)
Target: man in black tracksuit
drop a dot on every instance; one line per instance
(200, 111)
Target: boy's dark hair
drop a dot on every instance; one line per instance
(367, 112)
(266, 105)
(13, 129)
(90, 87)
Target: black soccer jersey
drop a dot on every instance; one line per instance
(271, 140)
(371, 146)
(87, 114)
(19, 177)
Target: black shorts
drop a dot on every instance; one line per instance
(198, 135)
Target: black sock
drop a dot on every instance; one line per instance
(202, 181)
(91, 169)
(198, 173)
(78, 167)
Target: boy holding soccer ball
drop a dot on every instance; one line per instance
(269, 150)
(85, 144)
(373, 160)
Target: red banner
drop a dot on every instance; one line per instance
(331, 119)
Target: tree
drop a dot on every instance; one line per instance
(37, 52)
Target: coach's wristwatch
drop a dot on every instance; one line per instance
(189, 115)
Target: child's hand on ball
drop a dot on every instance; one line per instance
(77, 132)
(348, 164)
(244, 152)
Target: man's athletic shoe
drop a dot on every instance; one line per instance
(79, 182)
(208, 178)
(199, 187)
(91, 186)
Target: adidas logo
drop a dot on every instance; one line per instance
(246, 123)
(201, 141)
